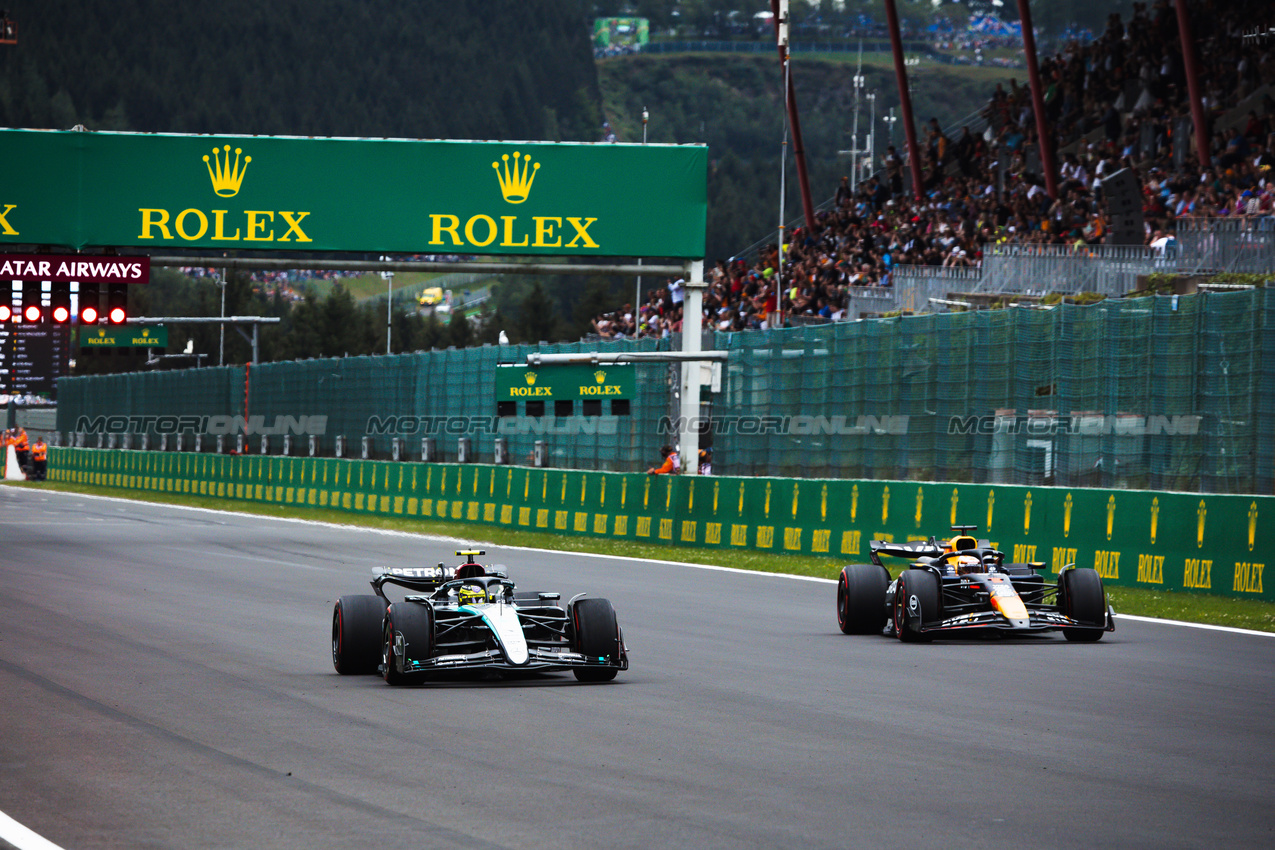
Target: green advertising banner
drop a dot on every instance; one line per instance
(296, 194)
(1179, 542)
(124, 336)
(574, 381)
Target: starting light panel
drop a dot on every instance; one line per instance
(60, 303)
(32, 310)
(117, 303)
(90, 303)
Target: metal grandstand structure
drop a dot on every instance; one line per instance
(1201, 247)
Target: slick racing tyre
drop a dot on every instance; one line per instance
(1081, 597)
(919, 588)
(356, 634)
(597, 635)
(408, 634)
(861, 599)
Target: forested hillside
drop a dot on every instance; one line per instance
(468, 69)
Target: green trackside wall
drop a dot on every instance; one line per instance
(1166, 541)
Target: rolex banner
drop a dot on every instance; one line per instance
(263, 193)
(572, 381)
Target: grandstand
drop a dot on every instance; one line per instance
(984, 230)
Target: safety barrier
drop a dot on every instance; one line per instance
(1165, 541)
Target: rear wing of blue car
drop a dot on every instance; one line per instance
(912, 550)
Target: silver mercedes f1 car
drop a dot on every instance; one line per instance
(472, 617)
(963, 585)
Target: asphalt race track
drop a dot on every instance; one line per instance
(166, 681)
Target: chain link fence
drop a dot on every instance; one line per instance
(442, 395)
(1162, 393)
(1149, 393)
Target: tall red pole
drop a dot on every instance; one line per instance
(1045, 139)
(1191, 65)
(905, 97)
(798, 149)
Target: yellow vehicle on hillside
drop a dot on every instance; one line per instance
(431, 296)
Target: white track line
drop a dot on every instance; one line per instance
(711, 567)
(1232, 629)
(21, 837)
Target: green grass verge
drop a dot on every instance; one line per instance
(1192, 608)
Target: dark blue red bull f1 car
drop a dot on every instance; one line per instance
(964, 585)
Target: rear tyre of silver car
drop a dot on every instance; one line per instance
(924, 586)
(861, 599)
(356, 634)
(596, 636)
(415, 622)
(1081, 597)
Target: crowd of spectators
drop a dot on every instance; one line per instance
(1115, 102)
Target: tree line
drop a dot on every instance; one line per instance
(472, 69)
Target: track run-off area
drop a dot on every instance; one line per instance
(166, 682)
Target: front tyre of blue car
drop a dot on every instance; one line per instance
(919, 589)
(1081, 597)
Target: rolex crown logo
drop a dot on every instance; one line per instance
(515, 184)
(225, 179)
(531, 378)
(600, 376)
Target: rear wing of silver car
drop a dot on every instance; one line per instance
(420, 579)
(424, 579)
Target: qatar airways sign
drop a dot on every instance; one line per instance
(80, 268)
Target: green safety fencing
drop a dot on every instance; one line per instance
(1167, 541)
(1159, 393)
(445, 395)
(1172, 393)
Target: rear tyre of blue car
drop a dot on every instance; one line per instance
(414, 623)
(861, 599)
(356, 634)
(1081, 597)
(923, 587)
(596, 636)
